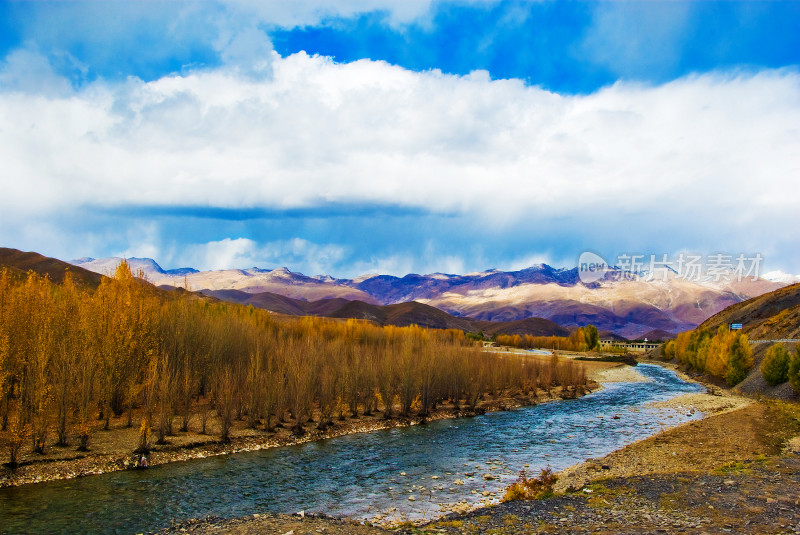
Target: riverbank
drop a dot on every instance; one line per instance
(112, 450)
(735, 470)
(732, 472)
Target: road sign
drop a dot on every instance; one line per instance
(736, 326)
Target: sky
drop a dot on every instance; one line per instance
(420, 136)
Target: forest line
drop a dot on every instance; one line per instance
(71, 358)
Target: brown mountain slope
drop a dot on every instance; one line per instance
(266, 300)
(657, 335)
(413, 313)
(770, 316)
(403, 314)
(362, 311)
(400, 314)
(23, 262)
(532, 326)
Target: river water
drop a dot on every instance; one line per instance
(363, 475)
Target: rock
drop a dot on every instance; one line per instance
(411, 498)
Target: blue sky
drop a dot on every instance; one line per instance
(356, 137)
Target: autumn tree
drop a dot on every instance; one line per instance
(66, 355)
(794, 369)
(741, 360)
(592, 336)
(70, 355)
(775, 366)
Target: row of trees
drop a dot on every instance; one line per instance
(71, 359)
(724, 353)
(779, 366)
(582, 339)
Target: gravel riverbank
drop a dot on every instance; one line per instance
(734, 471)
(729, 473)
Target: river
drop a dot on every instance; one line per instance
(363, 475)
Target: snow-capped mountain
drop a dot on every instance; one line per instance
(626, 307)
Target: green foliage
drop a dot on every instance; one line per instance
(775, 366)
(741, 360)
(592, 336)
(533, 488)
(794, 370)
(478, 336)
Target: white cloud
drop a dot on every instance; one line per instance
(27, 71)
(243, 253)
(696, 155)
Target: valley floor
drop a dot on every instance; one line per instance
(735, 471)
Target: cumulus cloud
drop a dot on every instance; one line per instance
(184, 35)
(702, 155)
(28, 71)
(318, 132)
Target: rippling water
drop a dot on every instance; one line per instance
(356, 475)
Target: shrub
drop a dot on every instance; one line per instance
(592, 336)
(741, 360)
(668, 350)
(535, 488)
(775, 366)
(794, 369)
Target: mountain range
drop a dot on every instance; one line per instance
(629, 308)
(401, 314)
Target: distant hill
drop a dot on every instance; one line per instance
(400, 314)
(22, 262)
(532, 326)
(657, 335)
(629, 308)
